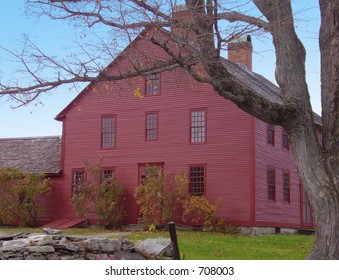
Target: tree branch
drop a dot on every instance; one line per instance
(235, 16)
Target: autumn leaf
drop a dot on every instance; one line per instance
(137, 93)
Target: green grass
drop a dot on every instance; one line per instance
(215, 246)
(197, 245)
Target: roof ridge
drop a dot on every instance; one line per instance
(32, 137)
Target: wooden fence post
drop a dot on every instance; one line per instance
(173, 235)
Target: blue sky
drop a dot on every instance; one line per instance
(37, 119)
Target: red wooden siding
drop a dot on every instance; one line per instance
(277, 213)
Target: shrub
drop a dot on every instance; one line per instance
(158, 196)
(20, 196)
(198, 209)
(33, 187)
(104, 197)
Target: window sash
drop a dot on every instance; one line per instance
(77, 177)
(287, 187)
(107, 175)
(271, 184)
(152, 84)
(144, 169)
(197, 180)
(108, 132)
(151, 126)
(198, 126)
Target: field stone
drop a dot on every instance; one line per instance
(52, 231)
(153, 247)
(15, 245)
(41, 249)
(127, 245)
(103, 245)
(41, 240)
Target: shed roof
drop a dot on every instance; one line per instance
(33, 154)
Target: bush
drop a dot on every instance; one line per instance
(104, 197)
(198, 209)
(158, 196)
(20, 196)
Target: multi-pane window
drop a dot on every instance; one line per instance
(107, 175)
(286, 185)
(152, 84)
(271, 183)
(270, 134)
(285, 143)
(144, 169)
(151, 126)
(198, 126)
(197, 180)
(77, 177)
(108, 132)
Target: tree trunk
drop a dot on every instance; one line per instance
(317, 165)
(321, 188)
(326, 245)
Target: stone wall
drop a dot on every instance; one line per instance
(56, 246)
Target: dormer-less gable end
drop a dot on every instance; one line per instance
(137, 60)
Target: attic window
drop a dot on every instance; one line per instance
(152, 84)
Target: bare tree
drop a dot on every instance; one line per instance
(317, 163)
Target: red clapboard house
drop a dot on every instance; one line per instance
(171, 120)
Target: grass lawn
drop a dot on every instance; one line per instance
(197, 245)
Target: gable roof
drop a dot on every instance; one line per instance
(247, 78)
(33, 154)
(62, 114)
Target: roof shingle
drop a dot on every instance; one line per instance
(33, 154)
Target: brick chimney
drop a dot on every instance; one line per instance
(240, 51)
(182, 23)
